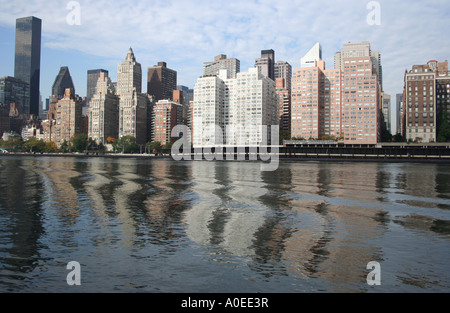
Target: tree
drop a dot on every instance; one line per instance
(65, 146)
(79, 142)
(153, 147)
(50, 147)
(285, 135)
(398, 138)
(34, 145)
(126, 144)
(12, 144)
(168, 145)
(386, 135)
(443, 126)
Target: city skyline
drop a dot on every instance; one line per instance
(238, 29)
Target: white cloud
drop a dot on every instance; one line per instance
(187, 33)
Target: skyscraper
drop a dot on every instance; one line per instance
(398, 112)
(162, 81)
(284, 103)
(13, 90)
(28, 59)
(343, 103)
(266, 64)
(223, 101)
(133, 105)
(62, 82)
(426, 102)
(166, 115)
(312, 57)
(103, 111)
(221, 62)
(284, 70)
(360, 49)
(92, 79)
(386, 110)
(68, 117)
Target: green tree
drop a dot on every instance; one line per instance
(285, 135)
(126, 144)
(167, 146)
(65, 146)
(153, 146)
(386, 135)
(34, 145)
(50, 147)
(13, 144)
(443, 126)
(79, 142)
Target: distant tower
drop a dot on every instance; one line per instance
(133, 105)
(92, 79)
(27, 62)
(62, 82)
(312, 57)
(284, 70)
(221, 62)
(162, 81)
(266, 64)
(103, 111)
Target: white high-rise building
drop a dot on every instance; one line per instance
(208, 111)
(233, 111)
(312, 57)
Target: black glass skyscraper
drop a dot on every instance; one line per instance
(28, 58)
(62, 82)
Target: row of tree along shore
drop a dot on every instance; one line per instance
(81, 145)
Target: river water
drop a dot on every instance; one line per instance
(160, 225)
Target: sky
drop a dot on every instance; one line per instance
(93, 34)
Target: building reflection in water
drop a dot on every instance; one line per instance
(309, 220)
(298, 216)
(21, 220)
(228, 210)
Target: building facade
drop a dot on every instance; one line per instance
(92, 79)
(284, 104)
(221, 62)
(425, 101)
(68, 118)
(342, 104)
(360, 49)
(207, 111)
(166, 115)
(103, 111)
(162, 81)
(386, 110)
(284, 70)
(233, 111)
(13, 90)
(28, 59)
(62, 82)
(133, 105)
(361, 101)
(398, 112)
(266, 63)
(311, 58)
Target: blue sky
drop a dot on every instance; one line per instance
(186, 33)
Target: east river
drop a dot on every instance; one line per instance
(165, 226)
